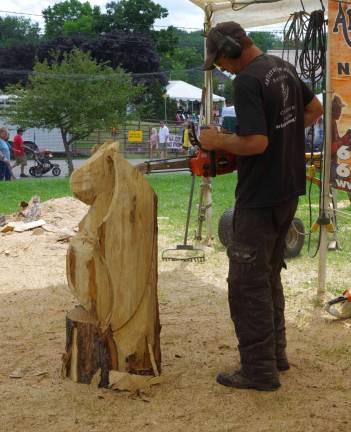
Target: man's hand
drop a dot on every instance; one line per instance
(210, 138)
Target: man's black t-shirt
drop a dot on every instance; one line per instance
(269, 100)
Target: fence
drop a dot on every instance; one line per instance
(134, 140)
(133, 137)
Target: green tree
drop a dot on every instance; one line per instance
(166, 40)
(18, 30)
(133, 15)
(75, 95)
(266, 40)
(69, 17)
(186, 59)
(228, 92)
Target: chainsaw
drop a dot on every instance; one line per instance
(201, 163)
(340, 307)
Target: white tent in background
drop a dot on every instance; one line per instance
(180, 90)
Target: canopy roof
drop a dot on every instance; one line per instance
(251, 13)
(180, 90)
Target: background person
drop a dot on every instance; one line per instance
(185, 138)
(273, 107)
(5, 156)
(163, 136)
(18, 152)
(153, 142)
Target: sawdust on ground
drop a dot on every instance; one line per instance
(197, 342)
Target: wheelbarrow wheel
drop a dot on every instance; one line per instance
(225, 227)
(295, 239)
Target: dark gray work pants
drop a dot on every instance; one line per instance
(255, 291)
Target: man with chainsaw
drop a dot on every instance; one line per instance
(273, 106)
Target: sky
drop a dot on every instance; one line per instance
(182, 13)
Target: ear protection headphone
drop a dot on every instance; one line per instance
(227, 45)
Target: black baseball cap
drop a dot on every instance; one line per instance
(213, 43)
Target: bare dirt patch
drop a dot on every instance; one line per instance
(197, 341)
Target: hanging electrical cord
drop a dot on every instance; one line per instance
(312, 59)
(305, 34)
(293, 33)
(312, 62)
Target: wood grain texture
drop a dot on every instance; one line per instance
(112, 266)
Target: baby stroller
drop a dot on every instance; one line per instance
(43, 162)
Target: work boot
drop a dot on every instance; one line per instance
(236, 379)
(23, 175)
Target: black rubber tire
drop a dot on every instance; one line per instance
(225, 227)
(56, 171)
(293, 243)
(37, 172)
(295, 239)
(32, 171)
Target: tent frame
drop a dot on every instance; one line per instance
(206, 187)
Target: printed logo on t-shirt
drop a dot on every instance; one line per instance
(288, 112)
(285, 93)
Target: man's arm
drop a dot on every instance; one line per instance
(313, 111)
(249, 145)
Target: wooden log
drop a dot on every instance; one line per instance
(112, 271)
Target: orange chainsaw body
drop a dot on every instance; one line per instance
(210, 164)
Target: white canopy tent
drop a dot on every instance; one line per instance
(253, 13)
(180, 90)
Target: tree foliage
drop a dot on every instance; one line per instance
(15, 63)
(72, 17)
(266, 40)
(185, 62)
(133, 15)
(18, 30)
(67, 18)
(76, 95)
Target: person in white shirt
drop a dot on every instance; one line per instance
(163, 135)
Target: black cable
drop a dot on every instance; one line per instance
(312, 59)
(312, 62)
(293, 33)
(306, 35)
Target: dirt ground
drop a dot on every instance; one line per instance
(197, 342)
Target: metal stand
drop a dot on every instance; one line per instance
(205, 211)
(191, 253)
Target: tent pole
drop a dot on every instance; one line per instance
(206, 186)
(325, 185)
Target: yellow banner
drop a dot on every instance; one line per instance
(339, 30)
(135, 135)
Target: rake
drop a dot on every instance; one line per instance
(185, 252)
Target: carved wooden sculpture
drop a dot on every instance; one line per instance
(112, 271)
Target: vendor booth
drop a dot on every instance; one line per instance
(335, 69)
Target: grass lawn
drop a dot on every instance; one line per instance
(13, 192)
(173, 194)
